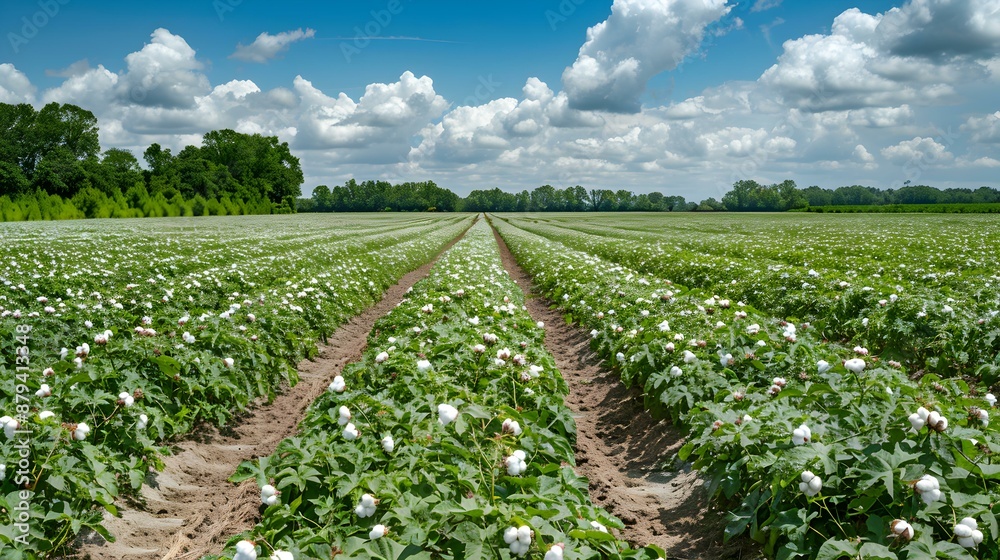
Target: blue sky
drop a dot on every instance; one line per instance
(681, 96)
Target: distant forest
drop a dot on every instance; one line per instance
(745, 196)
(52, 167)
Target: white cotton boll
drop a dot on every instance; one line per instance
(524, 534)
(753, 329)
(670, 347)
(856, 365)
(598, 526)
(511, 427)
(823, 366)
(984, 417)
(81, 431)
(689, 357)
(620, 357)
(968, 534)
(664, 326)
(423, 366)
(338, 385)
(245, 550)
(351, 433)
(46, 414)
(540, 324)
(345, 416)
(801, 435)
(811, 484)
(916, 422)
(510, 535)
(382, 357)
(726, 360)
(126, 399)
(447, 414)
(990, 398)
(282, 555)
(143, 422)
(228, 362)
(268, 495)
(388, 444)
(377, 532)
(43, 391)
(555, 553)
(676, 371)
(901, 529)
(761, 344)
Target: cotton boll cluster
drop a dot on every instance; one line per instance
(269, 495)
(518, 539)
(338, 385)
(43, 391)
(516, 464)
(801, 435)
(125, 399)
(901, 530)
(928, 488)
(344, 416)
(10, 426)
(811, 484)
(555, 552)
(511, 427)
(855, 365)
(80, 431)
(188, 338)
(446, 414)
(367, 506)
(245, 550)
(102, 338)
(351, 432)
(377, 532)
(968, 534)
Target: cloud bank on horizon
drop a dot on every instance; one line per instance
(879, 99)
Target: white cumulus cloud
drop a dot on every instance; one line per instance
(267, 46)
(640, 39)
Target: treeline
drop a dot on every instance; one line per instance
(380, 196)
(371, 196)
(745, 196)
(751, 196)
(52, 167)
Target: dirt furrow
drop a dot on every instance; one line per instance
(191, 508)
(621, 448)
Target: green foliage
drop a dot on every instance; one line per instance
(730, 333)
(55, 151)
(154, 312)
(444, 490)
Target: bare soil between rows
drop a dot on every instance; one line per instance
(191, 507)
(621, 448)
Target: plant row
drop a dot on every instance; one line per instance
(114, 341)
(818, 450)
(449, 438)
(932, 303)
